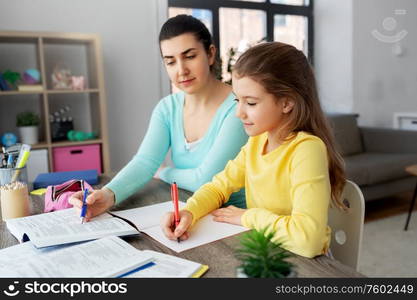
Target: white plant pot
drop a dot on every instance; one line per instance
(29, 134)
(240, 273)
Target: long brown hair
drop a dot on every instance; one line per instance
(285, 72)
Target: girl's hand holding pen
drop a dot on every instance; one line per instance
(98, 202)
(172, 232)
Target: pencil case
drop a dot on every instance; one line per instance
(57, 196)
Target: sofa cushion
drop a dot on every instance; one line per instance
(347, 134)
(372, 167)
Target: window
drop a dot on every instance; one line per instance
(293, 30)
(291, 2)
(204, 15)
(239, 28)
(239, 24)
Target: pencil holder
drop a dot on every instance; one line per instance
(14, 196)
(14, 200)
(9, 175)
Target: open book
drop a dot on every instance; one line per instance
(106, 257)
(63, 227)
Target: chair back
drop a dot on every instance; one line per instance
(347, 227)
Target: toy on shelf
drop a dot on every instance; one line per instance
(61, 123)
(80, 135)
(8, 139)
(3, 84)
(61, 77)
(78, 82)
(12, 78)
(31, 76)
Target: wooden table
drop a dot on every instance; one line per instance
(219, 255)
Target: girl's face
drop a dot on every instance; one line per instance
(259, 110)
(187, 62)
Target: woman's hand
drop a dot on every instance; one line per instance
(172, 232)
(230, 214)
(98, 202)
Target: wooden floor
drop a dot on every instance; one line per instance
(387, 207)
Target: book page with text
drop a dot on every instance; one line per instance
(64, 226)
(106, 257)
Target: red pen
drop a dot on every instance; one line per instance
(174, 197)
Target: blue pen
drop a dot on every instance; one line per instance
(84, 208)
(10, 161)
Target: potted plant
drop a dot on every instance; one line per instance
(262, 258)
(28, 123)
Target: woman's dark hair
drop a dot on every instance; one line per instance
(181, 24)
(285, 72)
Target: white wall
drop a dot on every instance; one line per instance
(357, 72)
(129, 32)
(383, 83)
(333, 53)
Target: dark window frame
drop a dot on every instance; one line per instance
(269, 8)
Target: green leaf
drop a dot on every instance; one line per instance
(262, 258)
(27, 118)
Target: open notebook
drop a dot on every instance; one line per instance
(61, 227)
(106, 257)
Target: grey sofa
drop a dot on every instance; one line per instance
(375, 158)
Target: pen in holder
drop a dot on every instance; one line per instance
(16, 174)
(14, 195)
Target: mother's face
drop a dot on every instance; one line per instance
(187, 62)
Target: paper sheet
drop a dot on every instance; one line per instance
(205, 231)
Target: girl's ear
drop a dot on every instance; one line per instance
(211, 54)
(287, 105)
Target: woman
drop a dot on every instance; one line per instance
(198, 124)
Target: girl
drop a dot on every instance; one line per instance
(198, 124)
(289, 167)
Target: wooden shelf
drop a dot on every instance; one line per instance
(10, 93)
(75, 143)
(51, 92)
(82, 54)
(42, 145)
(72, 91)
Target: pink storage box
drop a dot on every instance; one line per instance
(75, 158)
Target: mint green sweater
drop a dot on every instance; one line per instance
(192, 168)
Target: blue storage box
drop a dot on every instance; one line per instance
(45, 179)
